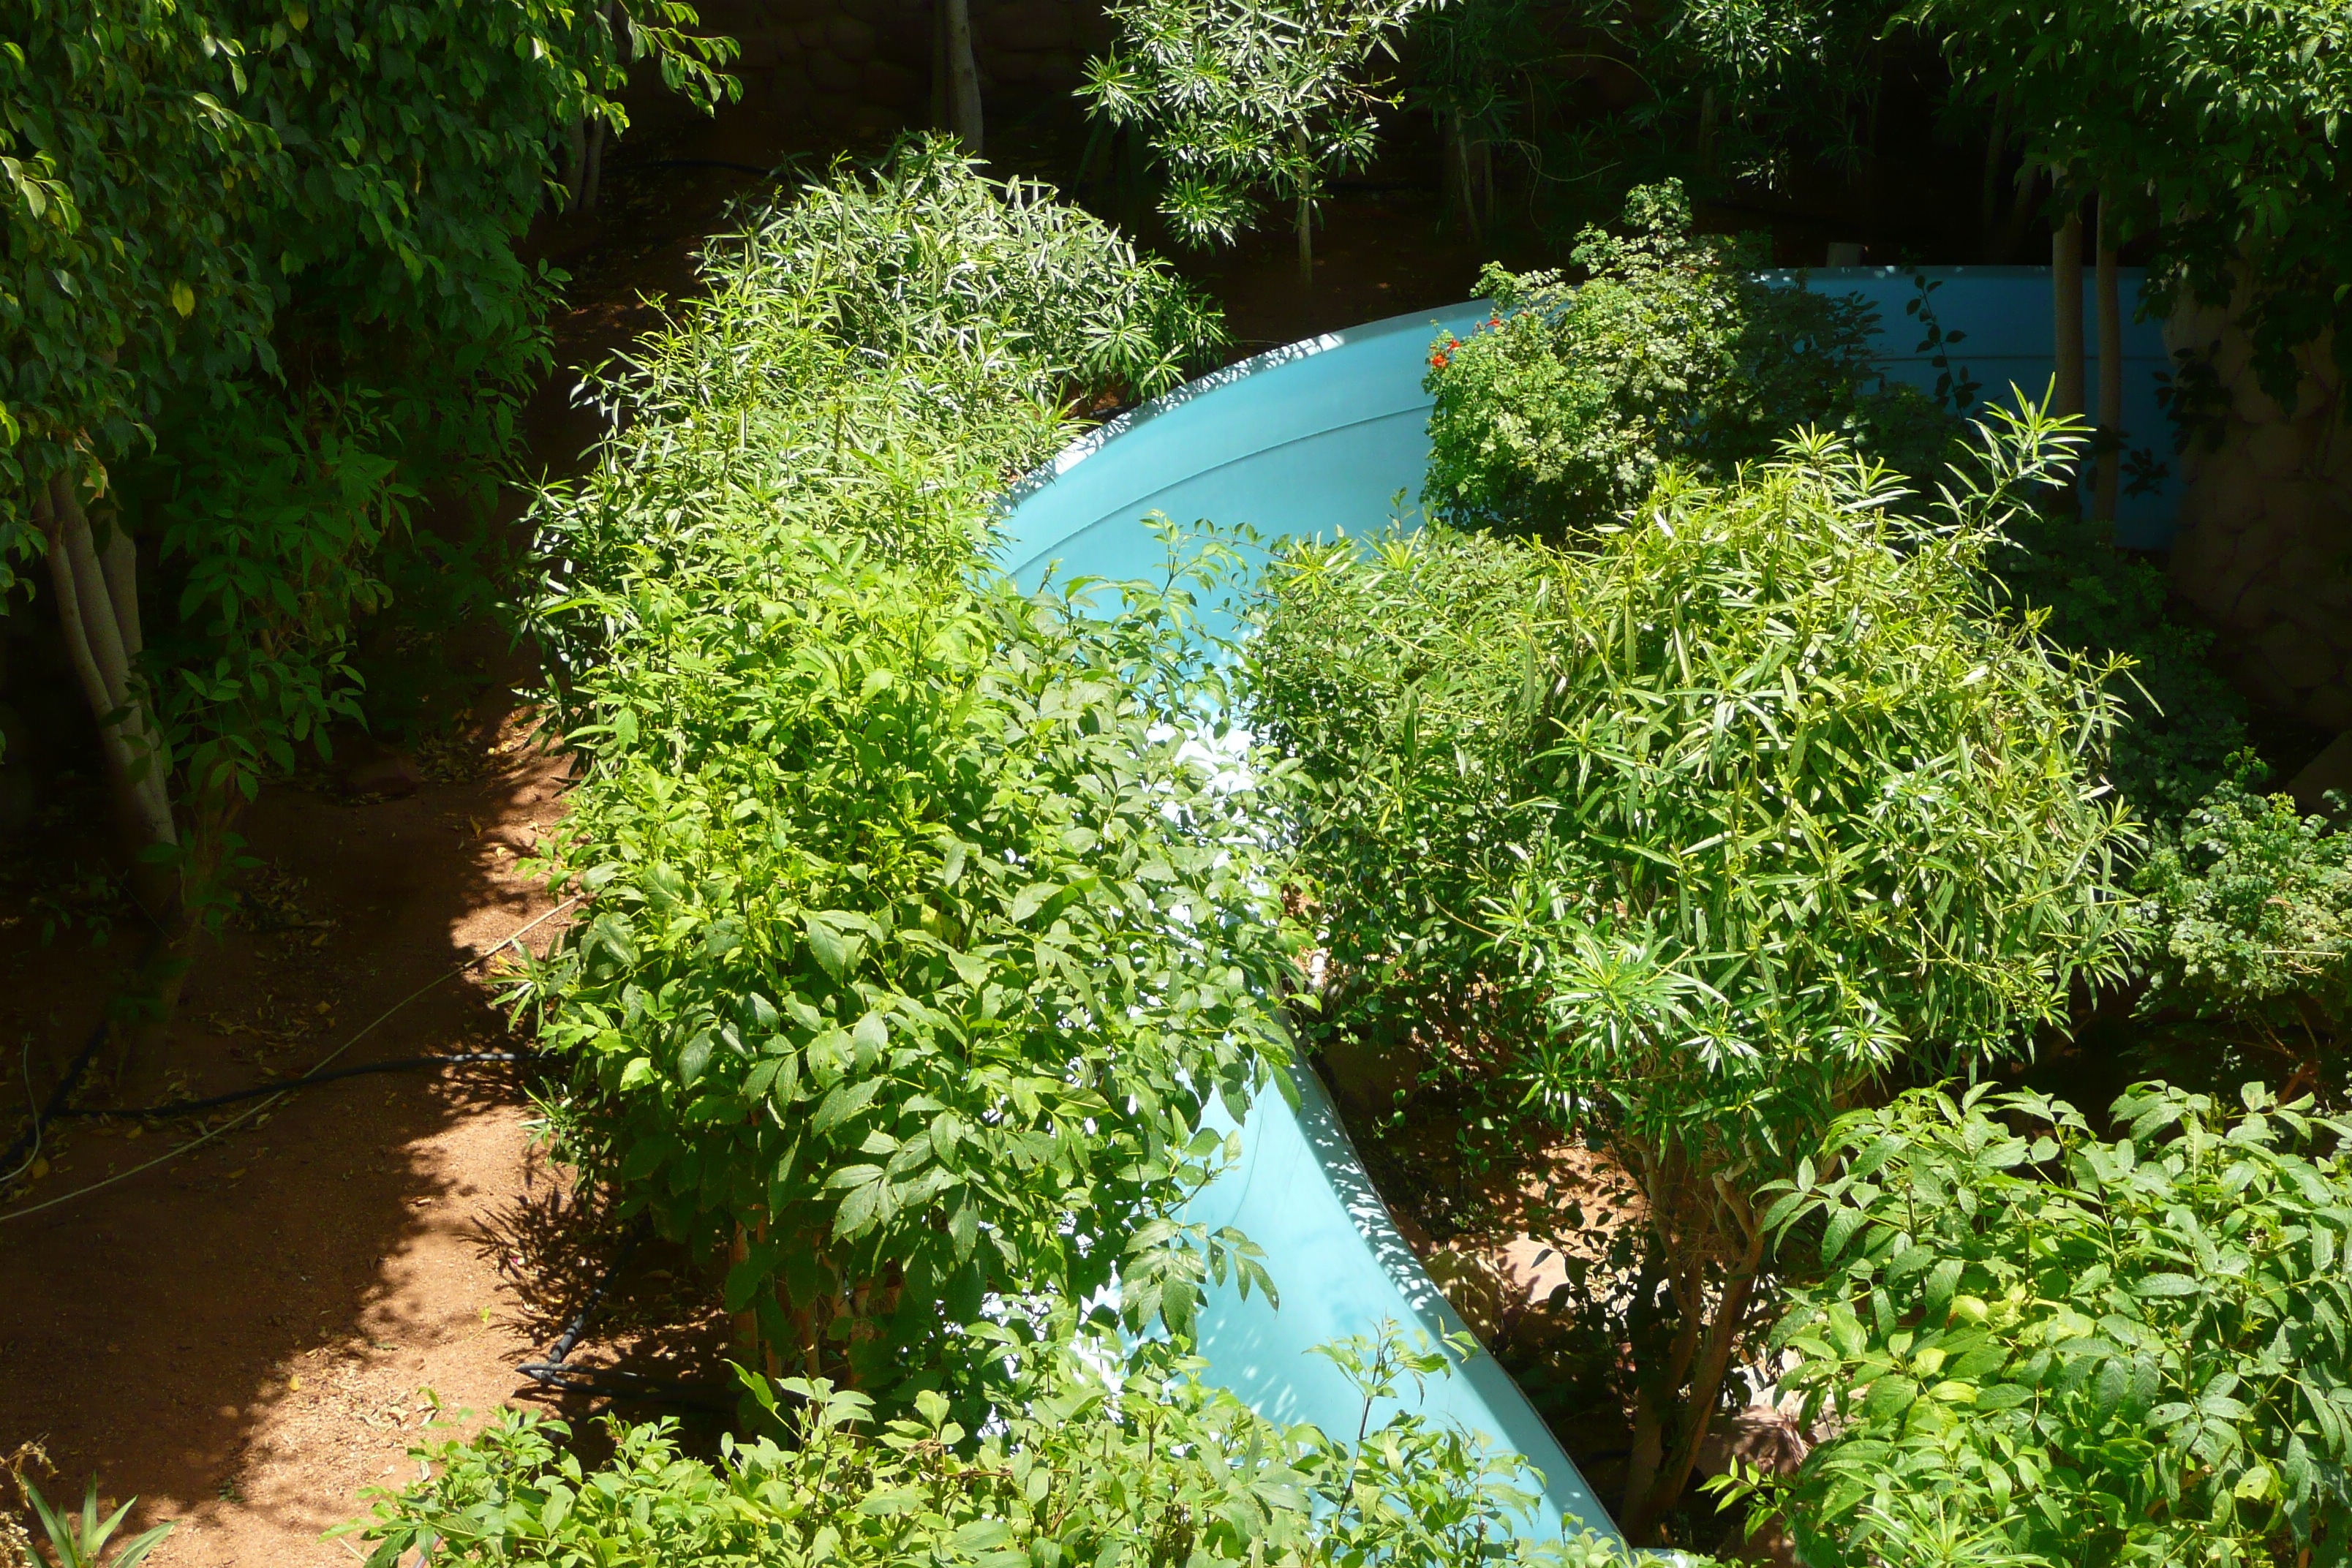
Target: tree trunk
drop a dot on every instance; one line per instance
(575, 164)
(1458, 147)
(940, 111)
(2111, 375)
(1996, 143)
(1306, 242)
(98, 610)
(2011, 238)
(591, 149)
(1658, 1395)
(1486, 184)
(747, 1322)
(2066, 312)
(964, 78)
(593, 178)
(1714, 1363)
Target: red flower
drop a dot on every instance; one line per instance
(1437, 360)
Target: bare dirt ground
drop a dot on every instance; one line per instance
(247, 1335)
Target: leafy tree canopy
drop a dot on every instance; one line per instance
(2217, 127)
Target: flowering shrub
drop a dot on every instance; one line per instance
(1556, 414)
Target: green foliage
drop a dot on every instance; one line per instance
(1149, 1470)
(274, 525)
(1561, 412)
(2179, 720)
(1246, 102)
(82, 1542)
(1773, 83)
(1397, 676)
(261, 291)
(2210, 128)
(1815, 807)
(1745, 804)
(924, 925)
(2047, 1349)
(2253, 909)
(1771, 732)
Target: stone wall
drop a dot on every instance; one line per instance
(865, 67)
(2264, 550)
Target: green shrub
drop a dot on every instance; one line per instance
(2040, 1348)
(1556, 414)
(1750, 802)
(922, 928)
(2180, 720)
(1150, 1469)
(2252, 911)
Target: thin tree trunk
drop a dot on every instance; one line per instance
(1707, 1382)
(747, 1322)
(1659, 1387)
(1306, 243)
(1461, 162)
(939, 112)
(1485, 183)
(120, 560)
(2109, 483)
(1647, 1466)
(137, 763)
(592, 162)
(1996, 143)
(2066, 312)
(593, 181)
(964, 78)
(1707, 113)
(575, 164)
(2020, 213)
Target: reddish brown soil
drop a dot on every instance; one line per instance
(247, 1335)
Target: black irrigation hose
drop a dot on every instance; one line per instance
(55, 1109)
(254, 1091)
(616, 1386)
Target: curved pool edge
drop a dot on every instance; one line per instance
(1321, 437)
(1260, 443)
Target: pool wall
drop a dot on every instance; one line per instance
(1328, 435)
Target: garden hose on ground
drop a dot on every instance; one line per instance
(30, 1138)
(607, 1384)
(275, 1092)
(397, 1064)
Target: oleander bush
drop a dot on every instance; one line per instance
(1560, 411)
(1753, 800)
(924, 925)
(2036, 1346)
